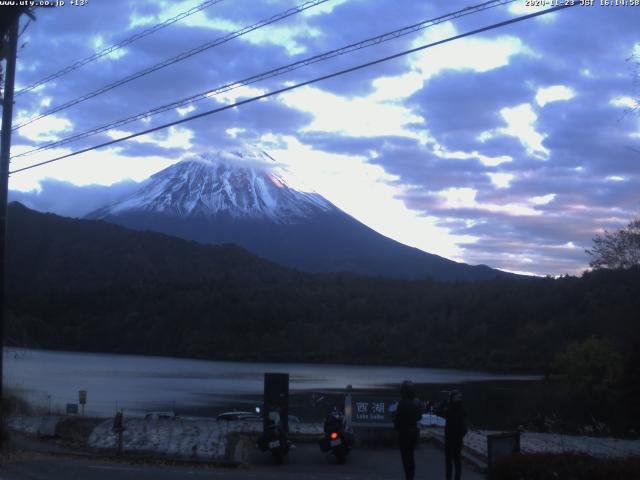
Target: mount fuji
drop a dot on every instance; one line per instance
(234, 197)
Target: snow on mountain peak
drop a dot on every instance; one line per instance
(240, 183)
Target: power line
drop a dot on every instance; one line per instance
(177, 58)
(119, 45)
(298, 85)
(275, 72)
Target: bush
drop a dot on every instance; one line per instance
(566, 466)
(75, 431)
(593, 363)
(12, 404)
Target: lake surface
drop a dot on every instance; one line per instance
(140, 384)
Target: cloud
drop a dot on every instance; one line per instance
(101, 167)
(48, 129)
(467, 54)
(524, 217)
(511, 147)
(170, 138)
(69, 200)
(501, 180)
(359, 116)
(363, 190)
(554, 93)
(521, 121)
(458, 107)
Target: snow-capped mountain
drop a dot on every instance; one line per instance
(236, 184)
(235, 197)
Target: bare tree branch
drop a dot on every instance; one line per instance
(619, 249)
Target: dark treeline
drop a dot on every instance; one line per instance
(91, 286)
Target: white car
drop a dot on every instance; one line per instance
(431, 420)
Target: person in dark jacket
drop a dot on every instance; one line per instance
(454, 431)
(405, 421)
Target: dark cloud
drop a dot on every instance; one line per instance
(344, 144)
(421, 166)
(590, 132)
(135, 149)
(458, 106)
(353, 22)
(255, 120)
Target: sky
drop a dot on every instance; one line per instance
(512, 148)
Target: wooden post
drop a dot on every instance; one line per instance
(5, 151)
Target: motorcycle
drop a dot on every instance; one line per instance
(274, 438)
(338, 439)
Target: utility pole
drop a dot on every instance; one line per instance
(5, 150)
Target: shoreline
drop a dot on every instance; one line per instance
(511, 374)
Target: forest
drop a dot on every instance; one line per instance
(91, 286)
(88, 285)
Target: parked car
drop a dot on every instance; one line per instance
(249, 417)
(160, 416)
(243, 416)
(431, 420)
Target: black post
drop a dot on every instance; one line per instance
(5, 150)
(118, 428)
(276, 395)
(120, 441)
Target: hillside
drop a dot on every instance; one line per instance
(91, 286)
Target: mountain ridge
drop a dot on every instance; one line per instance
(233, 198)
(208, 186)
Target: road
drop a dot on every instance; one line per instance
(304, 463)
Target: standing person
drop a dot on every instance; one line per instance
(405, 421)
(454, 431)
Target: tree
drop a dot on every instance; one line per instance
(635, 62)
(594, 363)
(619, 249)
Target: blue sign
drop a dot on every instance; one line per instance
(373, 410)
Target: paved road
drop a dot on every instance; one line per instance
(305, 463)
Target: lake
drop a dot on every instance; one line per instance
(138, 384)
